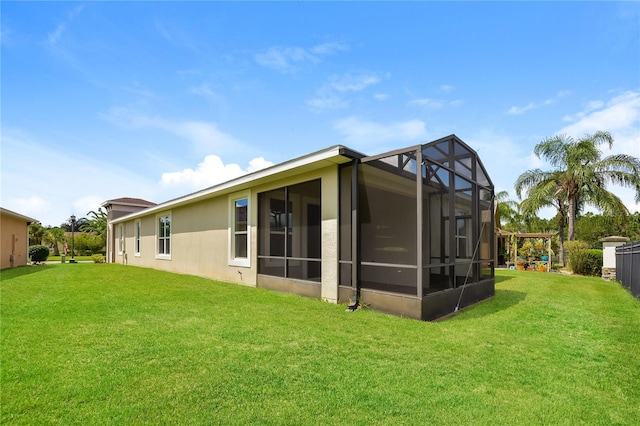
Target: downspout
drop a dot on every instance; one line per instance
(355, 236)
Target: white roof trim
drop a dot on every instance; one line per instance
(18, 215)
(337, 154)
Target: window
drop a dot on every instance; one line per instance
(164, 236)
(289, 231)
(138, 233)
(120, 239)
(239, 235)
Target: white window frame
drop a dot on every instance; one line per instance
(239, 261)
(164, 256)
(137, 239)
(120, 239)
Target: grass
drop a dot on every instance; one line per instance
(52, 258)
(109, 344)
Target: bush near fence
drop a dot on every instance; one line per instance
(584, 260)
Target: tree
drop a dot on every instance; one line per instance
(53, 236)
(507, 208)
(545, 193)
(96, 223)
(579, 177)
(631, 228)
(88, 244)
(36, 232)
(80, 222)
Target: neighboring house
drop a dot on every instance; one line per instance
(117, 208)
(14, 233)
(336, 225)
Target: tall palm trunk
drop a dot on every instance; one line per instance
(561, 242)
(573, 211)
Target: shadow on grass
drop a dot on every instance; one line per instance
(502, 278)
(20, 271)
(503, 299)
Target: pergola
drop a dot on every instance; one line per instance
(515, 236)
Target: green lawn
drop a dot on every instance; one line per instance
(68, 257)
(107, 344)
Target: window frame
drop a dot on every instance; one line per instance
(120, 239)
(232, 232)
(159, 216)
(137, 243)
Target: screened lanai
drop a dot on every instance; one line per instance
(417, 244)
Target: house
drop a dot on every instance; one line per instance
(408, 232)
(14, 233)
(117, 208)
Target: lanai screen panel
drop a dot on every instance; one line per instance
(457, 217)
(450, 245)
(387, 204)
(345, 211)
(435, 241)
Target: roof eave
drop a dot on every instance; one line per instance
(19, 216)
(337, 154)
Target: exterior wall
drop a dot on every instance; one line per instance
(199, 242)
(116, 210)
(200, 234)
(329, 230)
(15, 242)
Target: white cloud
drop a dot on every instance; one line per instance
(205, 91)
(517, 110)
(85, 204)
(258, 163)
(352, 82)
(503, 157)
(209, 172)
(427, 103)
(447, 88)
(369, 135)
(33, 206)
(434, 103)
(285, 59)
(329, 48)
(521, 110)
(42, 182)
(326, 101)
(381, 96)
(329, 95)
(54, 36)
(205, 137)
(619, 116)
(290, 58)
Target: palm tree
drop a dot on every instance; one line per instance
(52, 237)
(97, 224)
(579, 177)
(36, 232)
(545, 193)
(507, 208)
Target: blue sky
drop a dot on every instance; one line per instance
(154, 100)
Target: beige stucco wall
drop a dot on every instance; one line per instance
(200, 235)
(15, 241)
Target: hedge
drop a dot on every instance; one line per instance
(38, 253)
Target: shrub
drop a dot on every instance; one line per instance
(591, 263)
(583, 260)
(38, 253)
(97, 258)
(88, 244)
